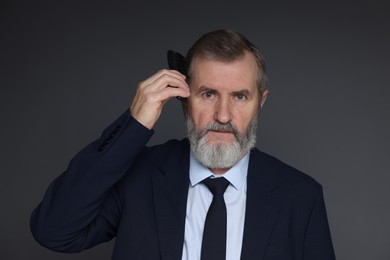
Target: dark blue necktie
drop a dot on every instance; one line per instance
(214, 233)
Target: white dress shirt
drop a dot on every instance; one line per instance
(198, 203)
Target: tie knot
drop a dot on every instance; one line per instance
(217, 186)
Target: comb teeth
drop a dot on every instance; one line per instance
(176, 61)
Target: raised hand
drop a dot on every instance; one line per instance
(154, 92)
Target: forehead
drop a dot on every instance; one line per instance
(225, 75)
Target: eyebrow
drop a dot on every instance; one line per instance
(245, 92)
(205, 88)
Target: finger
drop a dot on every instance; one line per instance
(170, 76)
(178, 73)
(161, 73)
(165, 81)
(171, 92)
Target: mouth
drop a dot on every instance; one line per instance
(220, 132)
(220, 135)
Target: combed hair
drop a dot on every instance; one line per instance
(227, 46)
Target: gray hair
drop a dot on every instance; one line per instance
(227, 45)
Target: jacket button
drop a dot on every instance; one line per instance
(117, 128)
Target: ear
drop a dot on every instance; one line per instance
(264, 96)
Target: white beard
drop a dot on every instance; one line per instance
(220, 155)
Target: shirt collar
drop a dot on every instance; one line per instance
(235, 175)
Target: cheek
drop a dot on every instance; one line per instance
(201, 118)
(201, 115)
(243, 119)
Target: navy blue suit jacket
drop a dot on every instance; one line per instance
(118, 187)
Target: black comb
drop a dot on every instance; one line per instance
(176, 61)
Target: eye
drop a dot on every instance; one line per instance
(208, 94)
(240, 96)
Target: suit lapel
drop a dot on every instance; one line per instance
(263, 202)
(170, 190)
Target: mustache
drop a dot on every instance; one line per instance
(215, 126)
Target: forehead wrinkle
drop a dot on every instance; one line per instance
(218, 73)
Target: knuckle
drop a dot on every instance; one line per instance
(163, 71)
(141, 84)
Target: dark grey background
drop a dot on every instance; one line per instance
(69, 68)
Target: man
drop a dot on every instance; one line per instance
(158, 202)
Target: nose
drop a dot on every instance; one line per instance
(223, 111)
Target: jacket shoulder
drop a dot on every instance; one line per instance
(152, 156)
(285, 174)
(161, 150)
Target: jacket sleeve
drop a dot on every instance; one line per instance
(318, 242)
(81, 207)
